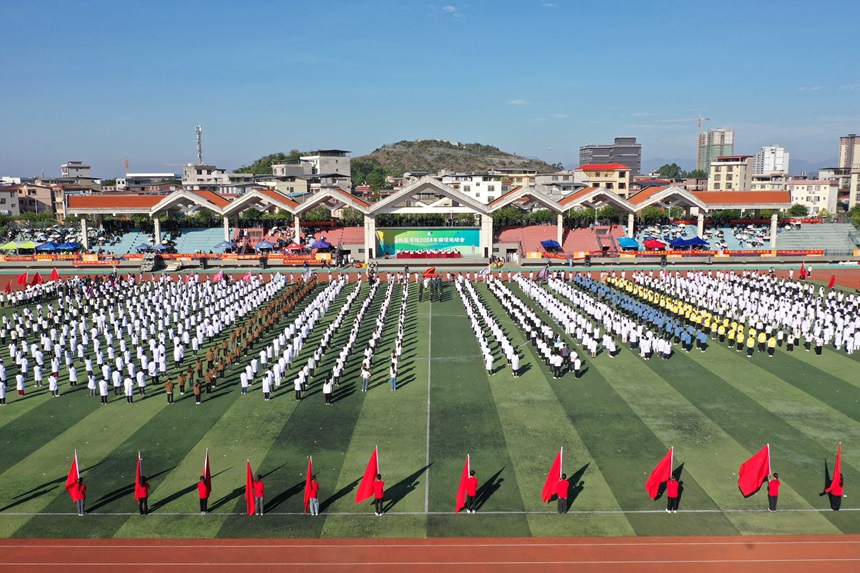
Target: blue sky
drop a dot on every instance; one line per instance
(100, 81)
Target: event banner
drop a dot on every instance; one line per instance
(466, 241)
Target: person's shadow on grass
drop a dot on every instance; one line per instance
(284, 496)
(577, 485)
(184, 491)
(123, 491)
(488, 489)
(402, 488)
(339, 494)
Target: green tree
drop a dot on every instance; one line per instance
(696, 174)
(508, 216)
(672, 171)
(798, 210)
(318, 213)
(264, 164)
(652, 215)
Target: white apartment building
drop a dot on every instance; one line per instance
(612, 176)
(818, 195)
(197, 177)
(770, 181)
(771, 158)
(483, 188)
(74, 169)
(730, 173)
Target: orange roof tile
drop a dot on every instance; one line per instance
(645, 194)
(118, 202)
(574, 196)
(213, 198)
(602, 167)
(502, 198)
(272, 194)
(353, 197)
(743, 197)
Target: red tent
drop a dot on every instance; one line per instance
(654, 245)
(293, 247)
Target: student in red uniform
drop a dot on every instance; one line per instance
(79, 494)
(141, 494)
(835, 490)
(378, 494)
(313, 496)
(259, 492)
(773, 491)
(673, 494)
(562, 489)
(203, 493)
(471, 492)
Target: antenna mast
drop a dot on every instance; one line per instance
(199, 145)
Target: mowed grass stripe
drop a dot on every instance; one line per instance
(536, 420)
(36, 400)
(464, 421)
(752, 426)
(835, 363)
(306, 432)
(36, 482)
(623, 444)
(394, 421)
(817, 427)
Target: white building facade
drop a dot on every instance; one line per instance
(771, 158)
(818, 195)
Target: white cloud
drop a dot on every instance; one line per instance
(559, 115)
(549, 4)
(850, 88)
(809, 88)
(518, 102)
(450, 9)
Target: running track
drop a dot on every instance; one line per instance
(834, 554)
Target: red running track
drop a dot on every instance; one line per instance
(790, 554)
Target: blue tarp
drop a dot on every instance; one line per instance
(224, 245)
(265, 245)
(69, 246)
(682, 243)
(143, 247)
(550, 244)
(50, 246)
(321, 244)
(628, 243)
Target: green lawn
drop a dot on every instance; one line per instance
(615, 424)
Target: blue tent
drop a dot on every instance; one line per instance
(49, 246)
(628, 243)
(321, 244)
(160, 247)
(224, 245)
(698, 242)
(143, 247)
(265, 245)
(70, 246)
(550, 244)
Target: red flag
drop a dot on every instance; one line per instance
(188, 278)
(802, 271)
(37, 279)
(74, 474)
(460, 502)
(661, 474)
(250, 505)
(246, 277)
(8, 287)
(219, 276)
(832, 281)
(837, 470)
(365, 488)
(754, 471)
(207, 474)
(308, 484)
(55, 276)
(22, 279)
(552, 479)
(137, 480)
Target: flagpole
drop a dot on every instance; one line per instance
(560, 462)
(376, 449)
(768, 460)
(671, 460)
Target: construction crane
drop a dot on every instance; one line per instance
(699, 120)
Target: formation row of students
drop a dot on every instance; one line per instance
(481, 319)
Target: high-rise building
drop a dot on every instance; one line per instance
(771, 158)
(849, 151)
(714, 143)
(625, 150)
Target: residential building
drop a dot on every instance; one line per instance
(75, 169)
(730, 173)
(197, 177)
(772, 181)
(144, 182)
(558, 185)
(849, 160)
(517, 177)
(9, 201)
(612, 176)
(327, 161)
(771, 158)
(818, 195)
(34, 198)
(625, 150)
(483, 188)
(714, 143)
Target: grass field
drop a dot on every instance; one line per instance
(615, 423)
